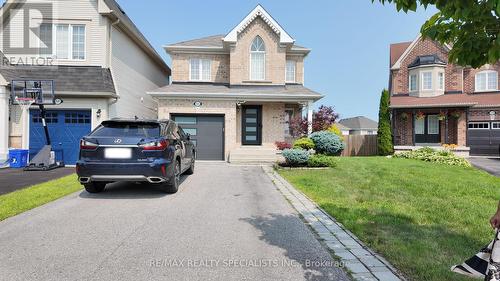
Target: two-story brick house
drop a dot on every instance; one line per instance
(235, 93)
(434, 102)
(100, 62)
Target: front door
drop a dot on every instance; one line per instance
(251, 127)
(427, 130)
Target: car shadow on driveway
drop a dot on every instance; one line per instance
(300, 245)
(129, 190)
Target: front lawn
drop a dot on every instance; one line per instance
(22, 200)
(422, 217)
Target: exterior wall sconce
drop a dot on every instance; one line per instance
(98, 113)
(492, 115)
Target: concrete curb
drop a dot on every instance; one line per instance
(363, 263)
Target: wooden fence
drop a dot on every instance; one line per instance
(360, 145)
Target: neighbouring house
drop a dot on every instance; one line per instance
(343, 129)
(102, 66)
(235, 93)
(359, 125)
(434, 102)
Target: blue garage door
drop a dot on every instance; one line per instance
(66, 128)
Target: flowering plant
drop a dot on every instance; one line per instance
(455, 114)
(451, 146)
(420, 115)
(441, 116)
(404, 116)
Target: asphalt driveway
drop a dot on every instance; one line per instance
(14, 179)
(490, 165)
(225, 223)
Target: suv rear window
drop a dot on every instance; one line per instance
(121, 129)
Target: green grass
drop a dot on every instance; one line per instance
(22, 200)
(422, 217)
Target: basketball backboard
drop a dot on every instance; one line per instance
(41, 91)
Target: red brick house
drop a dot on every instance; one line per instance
(435, 103)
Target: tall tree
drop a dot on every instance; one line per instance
(323, 119)
(384, 137)
(470, 27)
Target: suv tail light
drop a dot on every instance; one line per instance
(87, 145)
(154, 145)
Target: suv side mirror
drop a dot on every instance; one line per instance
(188, 137)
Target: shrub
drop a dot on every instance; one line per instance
(282, 145)
(430, 155)
(327, 143)
(296, 157)
(320, 160)
(304, 143)
(334, 129)
(384, 136)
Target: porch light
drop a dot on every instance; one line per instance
(98, 113)
(493, 115)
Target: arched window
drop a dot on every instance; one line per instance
(258, 59)
(486, 80)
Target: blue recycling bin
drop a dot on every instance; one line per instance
(18, 158)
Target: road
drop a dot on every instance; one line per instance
(225, 223)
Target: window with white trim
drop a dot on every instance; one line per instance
(479, 125)
(63, 41)
(486, 81)
(427, 80)
(495, 125)
(432, 125)
(441, 80)
(290, 71)
(419, 126)
(200, 69)
(413, 82)
(258, 59)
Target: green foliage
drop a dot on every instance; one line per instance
(295, 157)
(304, 143)
(384, 137)
(327, 143)
(335, 129)
(472, 28)
(320, 160)
(430, 155)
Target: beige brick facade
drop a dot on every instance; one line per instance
(219, 66)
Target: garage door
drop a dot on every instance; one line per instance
(207, 134)
(484, 138)
(66, 128)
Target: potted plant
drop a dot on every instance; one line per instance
(455, 114)
(441, 116)
(404, 116)
(420, 115)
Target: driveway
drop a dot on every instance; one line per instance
(490, 165)
(225, 223)
(14, 179)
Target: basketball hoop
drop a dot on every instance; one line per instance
(24, 103)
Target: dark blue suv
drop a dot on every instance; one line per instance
(152, 151)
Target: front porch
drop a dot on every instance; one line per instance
(414, 128)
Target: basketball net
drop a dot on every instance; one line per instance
(25, 104)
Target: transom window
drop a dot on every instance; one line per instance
(290, 71)
(413, 82)
(76, 118)
(50, 117)
(258, 59)
(200, 69)
(63, 41)
(486, 81)
(479, 125)
(427, 80)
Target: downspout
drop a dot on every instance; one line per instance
(115, 99)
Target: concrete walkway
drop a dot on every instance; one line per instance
(225, 223)
(490, 165)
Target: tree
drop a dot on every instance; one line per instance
(384, 137)
(470, 27)
(323, 119)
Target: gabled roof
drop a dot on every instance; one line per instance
(209, 41)
(396, 50)
(359, 123)
(259, 11)
(408, 49)
(426, 60)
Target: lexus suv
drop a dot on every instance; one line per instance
(150, 151)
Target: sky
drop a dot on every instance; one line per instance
(349, 39)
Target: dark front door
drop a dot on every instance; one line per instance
(427, 130)
(251, 127)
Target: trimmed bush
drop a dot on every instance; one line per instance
(428, 154)
(296, 157)
(335, 129)
(320, 160)
(282, 145)
(327, 143)
(304, 143)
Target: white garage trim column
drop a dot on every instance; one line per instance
(309, 117)
(4, 124)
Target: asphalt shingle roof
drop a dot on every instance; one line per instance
(426, 60)
(358, 123)
(84, 79)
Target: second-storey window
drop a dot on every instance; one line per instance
(258, 59)
(441, 80)
(290, 71)
(413, 82)
(199, 70)
(63, 41)
(427, 80)
(487, 81)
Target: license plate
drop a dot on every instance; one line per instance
(118, 153)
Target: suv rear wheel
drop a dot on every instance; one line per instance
(173, 182)
(95, 187)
